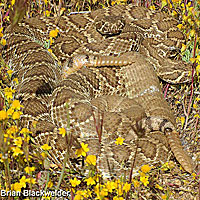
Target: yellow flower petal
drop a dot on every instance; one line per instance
(74, 182)
(91, 160)
(16, 115)
(145, 168)
(53, 33)
(83, 150)
(45, 147)
(3, 115)
(62, 131)
(127, 187)
(144, 180)
(17, 151)
(16, 105)
(90, 181)
(28, 170)
(119, 141)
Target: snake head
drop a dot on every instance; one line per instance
(109, 25)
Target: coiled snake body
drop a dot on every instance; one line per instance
(117, 94)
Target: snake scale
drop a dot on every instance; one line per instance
(100, 83)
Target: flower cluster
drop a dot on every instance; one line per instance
(2, 41)
(189, 25)
(115, 188)
(15, 140)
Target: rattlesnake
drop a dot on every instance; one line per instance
(104, 101)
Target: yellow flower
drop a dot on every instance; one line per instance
(91, 160)
(144, 180)
(16, 105)
(16, 115)
(136, 183)
(50, 184)
(23, 181)
(9, 92)
(28, 170)
(17, 151)
(180, 26)
(47, 13)
(16, 80)
(25, 131)
(62, 131)
(127, 187)
(110, 186)
(74, 182)
(12, 2)
(103, 192)
(145, 168)
(3, 115)
(116, 183)
(53, 33)
(17, 187)
(18, 141)
(118, 187)
(31, 180)
(10, 111)
(159, 187)
(83, 150)
(90, 181)
(3, 42)
(78, 197)
(45, 147)
(12, 130)
(9, 72)
(119, 140)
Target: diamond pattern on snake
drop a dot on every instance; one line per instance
(106, 85)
